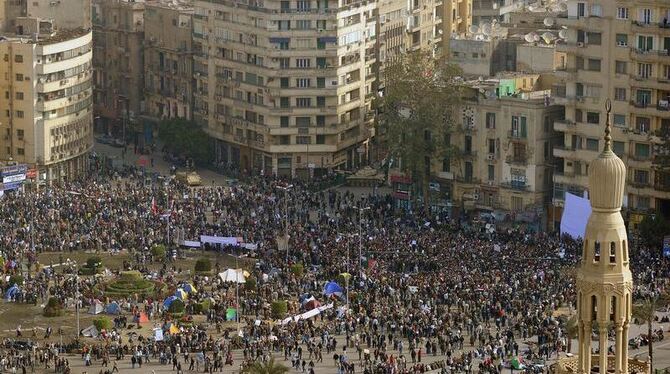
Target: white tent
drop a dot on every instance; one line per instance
(96, 308)
(233, 275)
(90, 332)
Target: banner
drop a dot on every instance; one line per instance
(158, 335)
(223, 240)
(576, 213)
(666, 246)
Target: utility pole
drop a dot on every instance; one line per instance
(360, 239)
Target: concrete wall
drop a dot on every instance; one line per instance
(535, 58)
(67, 14)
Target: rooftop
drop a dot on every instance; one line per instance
(46, 39)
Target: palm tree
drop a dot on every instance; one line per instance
(269, 367)
(645, 312)
(571, 331)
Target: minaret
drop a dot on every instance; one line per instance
(604, 280)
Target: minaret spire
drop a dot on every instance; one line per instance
(608, 127)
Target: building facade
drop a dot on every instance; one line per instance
(615, 50)
(505, 140)
(285, 87)
(46, 106)
(168, 60)
(118, 33)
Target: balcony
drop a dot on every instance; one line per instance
(517, 159)
(516, 135)
(470, 154)
(638, 183)
(565, 125)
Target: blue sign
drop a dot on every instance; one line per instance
(666, 246)
(12, 177)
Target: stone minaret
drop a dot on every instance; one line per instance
(604, 280)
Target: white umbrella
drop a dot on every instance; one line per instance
(233, 275)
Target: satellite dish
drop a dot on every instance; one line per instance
(486, 29)
(495, 5)
(548, 22)
(439, 31)
(474, 29)
(563, 34)
(548, 35)
(536, 38)
(562, 7)
(528, 38)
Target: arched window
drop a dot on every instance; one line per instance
(612, 252)
(624, 246)
(612, 308)
(594, 308)
(596, 252)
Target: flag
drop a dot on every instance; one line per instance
(154, 208)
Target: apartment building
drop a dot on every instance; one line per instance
(45, 82)
(285, 87)
(505, 142)
(456, 20)
(616, 50)
(118, 33)
(168, 60)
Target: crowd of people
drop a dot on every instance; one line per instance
(421, 292)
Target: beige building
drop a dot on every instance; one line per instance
(168, 60)
(46, 106)
(615, 50)
(456, 20)
(505, 140)
(118, 33)
(285, 87)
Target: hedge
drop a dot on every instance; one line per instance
(203, 265)
(279, 309)
(102, 323)
(53, 308)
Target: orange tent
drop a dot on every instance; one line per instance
(143, 318)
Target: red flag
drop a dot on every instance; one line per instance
(154, 208)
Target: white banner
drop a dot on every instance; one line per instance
(576, 213)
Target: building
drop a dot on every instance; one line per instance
(604, 279)
(168, 60)
(615, 50)
(505, 140)
(45, 80)
(456, 20)
(118, 33)
(285, 87)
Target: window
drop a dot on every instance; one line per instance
(641, 177)
(284, 102)
(596, 10)
(642, 150)
(643, 202)
(622, 13)
(303, 5)
(283, 121)
(593, 117)
(283, 45)
(321, 120)
(20, 134)
(620, 67)
(303, 24)
(643, 97)
(517, 202)
(302, 62)
(619, 120)
(19, 77)
(320, 139)
(645, 16)
(491, 172)
(19, 114)
(492, 146)
(284, 140)
(19, 96)
(20, 151)
(518, 127)
(619, 94)
(645, 43)
(592, 144)
(284, 62)
(303, 140)
(618, 148)
(622, 40)
(283, 82)
(642, 125)
(594, 64)
(446, 165)
(581, 9)
(320, 82)
(490, 120)
(644, 70)
(594, 38)
(303, 102)
(303, 82)
(320, 101)
(18, 58)
(303, 121)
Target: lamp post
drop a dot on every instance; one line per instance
(360, 240)
(286, 189)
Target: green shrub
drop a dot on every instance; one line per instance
(158, 251)
(250, 285)
(102, 323)
(177, 306)
(279, 309)
(130, 276)
(93, 262)
(85, 270)
(53, 308)
(298, 270)
(16, 279)
(203, 265)
(202, 307)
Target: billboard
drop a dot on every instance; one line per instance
(666, 246)
(13, 176)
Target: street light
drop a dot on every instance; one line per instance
(286, 189)
(360, 240)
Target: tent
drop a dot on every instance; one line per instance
(96, 307)
(189, 288)
(90, 332)
(233, 275)
(143, 318)
(167, 302)
(181, 294)
(12, 292)
(113, 308)
(332, 288)
(311, 304)
(231, 314)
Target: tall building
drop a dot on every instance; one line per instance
(168, 60)
(456, 20)
(505, 138)
(45, 82)
(604, 280)
(617, 50)
(118, 33)
(285, 86)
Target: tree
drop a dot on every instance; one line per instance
(571, 331)
(652, 230)
(418, 112)
(203, 265)
(645, 312)
(187, 138)
(279, 309)
(270, 367)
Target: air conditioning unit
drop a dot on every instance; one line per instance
(490, 157)
(475, 197)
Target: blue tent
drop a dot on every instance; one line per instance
(167, 302)
(332, 288)
(12, 292)
(112, 308)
